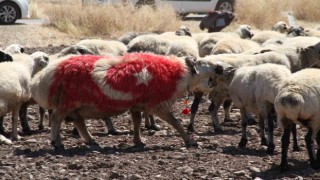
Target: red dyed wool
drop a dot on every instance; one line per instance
(77, 88)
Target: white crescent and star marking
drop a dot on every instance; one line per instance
(143, 77)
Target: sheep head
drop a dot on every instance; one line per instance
(40, 59)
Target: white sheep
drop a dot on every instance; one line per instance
(108, 86)
(127, 37)
(184, 46)
(233, 45)
(149, 43)
(104, 47)
(312, 32)
(254, 89)
(207, 41)
(15, 89)
(298, 103)
(262, 36)
(280, 26)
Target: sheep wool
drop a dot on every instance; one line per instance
(123, 85)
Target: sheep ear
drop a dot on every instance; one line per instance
(219, 69)
(190, 61)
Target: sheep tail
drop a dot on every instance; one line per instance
(291, 103)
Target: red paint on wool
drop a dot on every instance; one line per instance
(73, 80)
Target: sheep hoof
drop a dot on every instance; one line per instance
(284, 167)
(296, 148)
(114, 132)
(57, 147)
(315, 165)
(270, 149)
(190, 128)
(16, 138)
(153, 127)
(27, 131)
(140, 145)
(191, 144)
(264, 142)
(251, 121)
(75, 132)
(218, 130)
(227, 120)
(41, 127)
(243, 142)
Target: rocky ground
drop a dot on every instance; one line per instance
(165, 156)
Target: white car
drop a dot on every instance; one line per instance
(11, 10)
(185, 7)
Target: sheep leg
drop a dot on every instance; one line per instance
(15, 116)
(1, 125)
(136, 118)
(150, 123)
(285, 141)
(269, 119)
(110, 127)
(226, 108)
(83, 131)
(169, 118)
(318, 150)
(262, 131)
(41, 112)
(244, 124)
(194, 109)
(56, 119)
(309, 144)
(295, 138)
(24, 119)
(250, 119)
(213, 109)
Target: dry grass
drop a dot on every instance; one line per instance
(70, 16)
(306, 10)
(107, 20)
(263, 14)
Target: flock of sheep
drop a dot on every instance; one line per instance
(268, 73)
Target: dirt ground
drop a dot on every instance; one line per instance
(165, 156)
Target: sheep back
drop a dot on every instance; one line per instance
(110, 84)
(298, 99)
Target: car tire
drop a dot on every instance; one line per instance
(9, 13)
(225, 5)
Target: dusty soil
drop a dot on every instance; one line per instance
(165, 156)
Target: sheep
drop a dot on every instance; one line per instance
(294, 31)
(254, 89)
(104, 47)
(243, 31)
(14, 49)
(280, 26)
(74, 49)
(301, 41)
(149, 43)
(126, 38)
(15, 89)
(263, 36)
(182, 31)
(219, 93)
(312, 33)
(210, 40)
(298, 103)
(113, 85)
(232, 45)
(185, 46)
